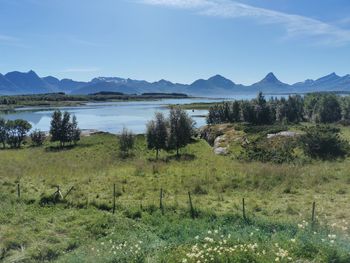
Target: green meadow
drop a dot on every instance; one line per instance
(82, 227)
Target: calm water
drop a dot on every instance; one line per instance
(111, 116)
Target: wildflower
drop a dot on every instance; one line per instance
(293, 240)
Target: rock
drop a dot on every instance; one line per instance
(219, 140)
(220, 151)
(282, 134)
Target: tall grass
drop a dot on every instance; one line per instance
(278, 198)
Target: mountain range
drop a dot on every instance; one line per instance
(14, 83)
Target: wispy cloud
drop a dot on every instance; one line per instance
(83, 42)
(11, 41)
(81, 70)
(295, 25)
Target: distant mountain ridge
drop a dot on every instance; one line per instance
(14, 83)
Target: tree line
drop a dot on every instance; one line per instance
(64, 129)
(163, 133)
(314, 107)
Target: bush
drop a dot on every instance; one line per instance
(276, 150)
(324, 142)
(126, 142)
(38, 137)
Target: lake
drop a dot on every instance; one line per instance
(113, 116)
(109, 116)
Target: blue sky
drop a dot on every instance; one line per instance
(178, 40)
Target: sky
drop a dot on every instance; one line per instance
(177, 40)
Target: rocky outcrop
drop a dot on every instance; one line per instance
(216, 137)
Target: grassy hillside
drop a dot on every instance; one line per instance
(82, 228)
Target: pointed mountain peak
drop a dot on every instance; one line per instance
(329, 77)
(334, 75)
(270, 77)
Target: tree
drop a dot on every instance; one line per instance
(3, 132)
(126, 142)
(74, 130)
(322, 108)
(324, 142)
(248, 114)
(16, 132)
(181, 129)
(157, 133)
(261, 110)
(38, 137)
(63, 129)
(66, 129)
(328, 109)
(56, 126)
(345, 106)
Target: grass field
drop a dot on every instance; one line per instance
(82, 228)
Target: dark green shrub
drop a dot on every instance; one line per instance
(38, 137)
(324, 142)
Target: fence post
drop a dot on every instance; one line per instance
(161, 201)
(113, 198)
(313, 212)
(191, 206)
(18, 191)
(70, 190)
(243, 209)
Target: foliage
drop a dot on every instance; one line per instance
(324, 142)
(16, 132)
(63, 129)
(74, 130)
(126, 142)
(314, 107)
(323, 108)
(38, 137)
(3, 132)
(157, 134)
(258, 111)
(276, 150)
(181, 129)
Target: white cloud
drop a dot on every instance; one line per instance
(295, 25)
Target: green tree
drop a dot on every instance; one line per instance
(157, 134)
(16, 132)
(345, 107)
(235, 112)
(181, 129)
(328, 109)
(56, 126)
(261, 110)
(74, 131)
(63, 129)
(3, 132)
(322, 108)
(126, 142)
(248, 114)
(38, 137)
(66, 129)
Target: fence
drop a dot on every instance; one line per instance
(57, 197)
